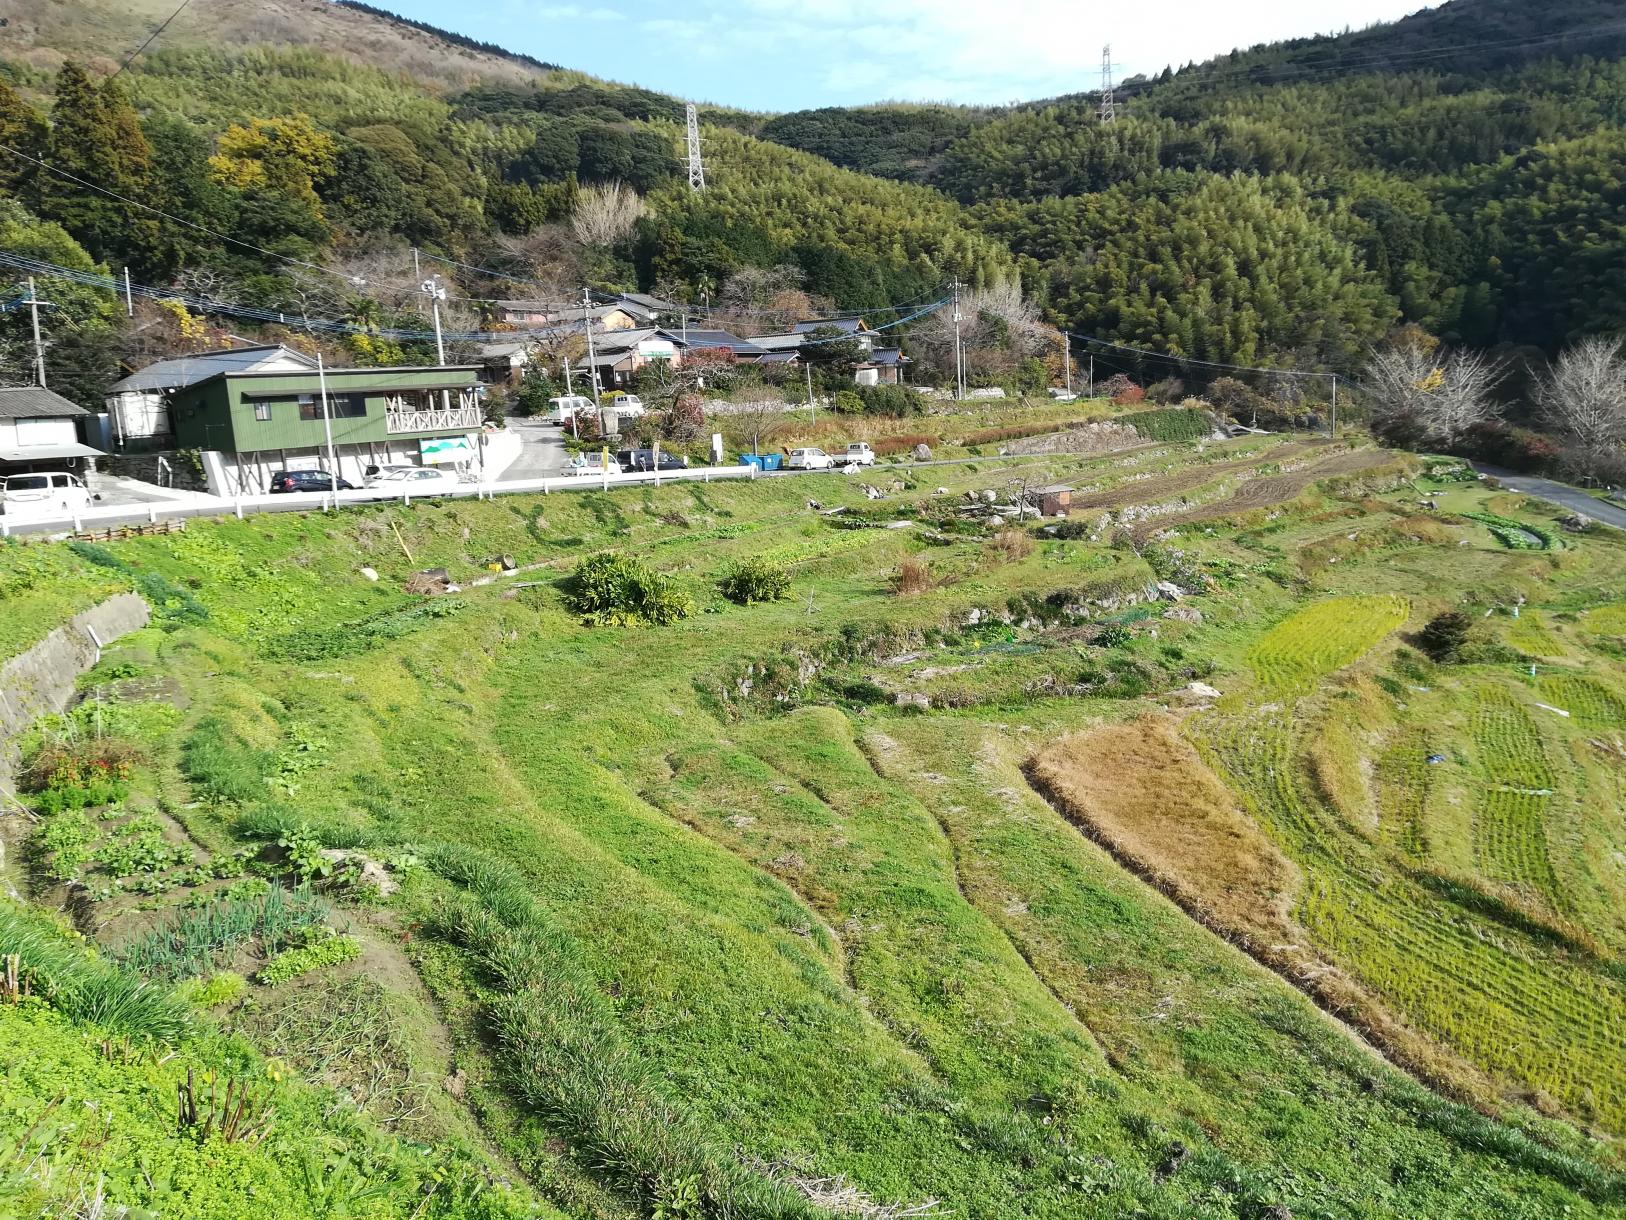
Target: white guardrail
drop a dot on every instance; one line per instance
(326, 501)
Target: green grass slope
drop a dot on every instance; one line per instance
(714, 913)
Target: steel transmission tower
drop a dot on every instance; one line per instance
(1109, 110)
(697, 168)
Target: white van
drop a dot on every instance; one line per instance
(44, 496)
(563, 408)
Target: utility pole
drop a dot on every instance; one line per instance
(810, 406)
(34, 304)
(436, 293)
(1067, 362)
(1092, 376)
(1109, 108)
(327, 425)
(697, 168)
(959, 357)
(417, 271)
(592, 359)
(1332, 425)
(129, 300)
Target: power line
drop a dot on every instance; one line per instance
(1213, 364)
(150, 39)
(146, 207)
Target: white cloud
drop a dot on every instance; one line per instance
(998, 52)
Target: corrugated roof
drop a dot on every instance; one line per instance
(179, 371)
(778, 343)
(720, 338)
(777, 358)
(35, 402)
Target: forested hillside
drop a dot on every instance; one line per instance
(1285, 205)
(1467, 159)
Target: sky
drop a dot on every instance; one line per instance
(777, 55)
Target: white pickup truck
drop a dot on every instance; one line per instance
(856, 454)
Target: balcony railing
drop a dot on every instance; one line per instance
(405, 415)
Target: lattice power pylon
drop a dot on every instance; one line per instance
(697, 167)
(1109, 108)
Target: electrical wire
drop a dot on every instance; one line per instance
(136, 203)
(151, 38)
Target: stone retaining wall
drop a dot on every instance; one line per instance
(42, 680)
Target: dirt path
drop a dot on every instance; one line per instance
(1148, 491)
(1273, 489)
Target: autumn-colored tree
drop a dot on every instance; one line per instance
(286, 155)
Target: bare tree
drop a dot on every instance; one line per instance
(1423, 396)
(606, 214)
(1583, 397)
(999, 328)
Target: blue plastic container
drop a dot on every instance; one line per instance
(771, 461)
(751, 459)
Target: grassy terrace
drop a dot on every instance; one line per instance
(699, 917)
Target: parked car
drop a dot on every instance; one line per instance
(592, 464)
(809, 459)
(629, 405)
(420, 481)
(1062, 395)
(561, 409)
(374, 475)
(856, 454)
(306, 480)
(644, 459)
(54, 493)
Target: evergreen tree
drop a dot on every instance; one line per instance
(23, 128)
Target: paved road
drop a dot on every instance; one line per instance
(542, 452)
(1558, 493)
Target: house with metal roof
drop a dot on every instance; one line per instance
(39, 429)
(249, 424)
(138, 409)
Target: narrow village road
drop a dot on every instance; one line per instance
(1558, 493)
(542, 451)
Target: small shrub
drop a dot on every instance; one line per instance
(1011, 545)
(613, 589)
(218, 990)
(1444, 636)
(848, 402)
(291, 963)
(80, 774)
(913, 576)
(755, 580)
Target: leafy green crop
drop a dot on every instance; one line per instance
(291, 963)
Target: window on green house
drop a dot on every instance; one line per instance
(342, 406)
(262, 412)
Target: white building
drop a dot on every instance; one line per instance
(39, 430)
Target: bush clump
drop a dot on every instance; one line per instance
(612, 589)
(755, 580)
(1445, 634)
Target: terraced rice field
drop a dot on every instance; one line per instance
(1323, 638)
(1590, 703)
(1509, 825)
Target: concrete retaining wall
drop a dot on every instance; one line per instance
(41, 680)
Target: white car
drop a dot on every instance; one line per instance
(418, 481)
(375, 475)
(1062, 395)
(50, 494)
(809, 459)
(592, 465)
(629, 405)
(856, 454)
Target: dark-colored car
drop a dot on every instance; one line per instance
(644, 460)
(306, 480)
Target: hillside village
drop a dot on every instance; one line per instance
(565, 653)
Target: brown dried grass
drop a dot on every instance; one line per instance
(1142, 790)
(914, 576)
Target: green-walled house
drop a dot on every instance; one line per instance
(248, 425)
